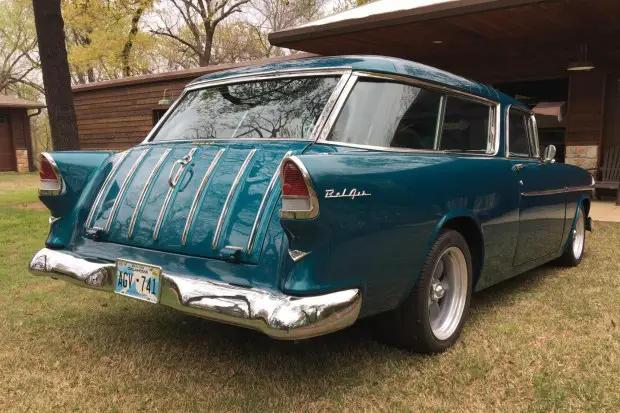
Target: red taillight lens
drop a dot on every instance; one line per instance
(293, 183)
(51, 181)
(299, 200)
(47, 172)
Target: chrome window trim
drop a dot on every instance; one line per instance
(123, 189)
(145, 189)
(344, 72)
(53, 192)
(269, 75)
(199, 192)
(231, 193)
(337, 108)
(91, 214)
(494, 117)
(250, 245)
(533, 136)
(441, 114)
(164, 208)
(313, 212)
(534, 125)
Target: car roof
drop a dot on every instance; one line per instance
(380, 64)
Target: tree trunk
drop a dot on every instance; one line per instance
(205, 58)
(56, 75)
(129, 43)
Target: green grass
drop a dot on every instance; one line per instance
(548, 340)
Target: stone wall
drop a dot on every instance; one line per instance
(584, 156)
(22, 160)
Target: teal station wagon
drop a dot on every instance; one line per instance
(298, 197)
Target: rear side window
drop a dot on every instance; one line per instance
(518, 134)
(466, 126)
(389, 115)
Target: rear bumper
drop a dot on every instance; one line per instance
(277, 315)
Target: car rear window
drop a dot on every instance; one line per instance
(268, 109)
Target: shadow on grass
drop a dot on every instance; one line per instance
(226, 357)
(166, 328)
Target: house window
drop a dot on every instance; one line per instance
(158, 114)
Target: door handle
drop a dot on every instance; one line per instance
(517, 167)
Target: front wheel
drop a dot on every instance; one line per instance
(430, 320)
(574, 252)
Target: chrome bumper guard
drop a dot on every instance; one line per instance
(277, 315)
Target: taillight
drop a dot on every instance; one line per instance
(51, 180)
(299, 200)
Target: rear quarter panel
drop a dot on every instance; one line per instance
(379, 242)
(575, 177)
(83, 172)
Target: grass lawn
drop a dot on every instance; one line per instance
(548, 340)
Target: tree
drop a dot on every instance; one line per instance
(275, 15)
(56, 77)
(344, 5)
(195, 22)
(19, 61)
(139, 7)
(104, 38)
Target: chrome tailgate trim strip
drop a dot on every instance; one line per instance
(263, 202)
(103, 189)
(178, 177)
(147, 186)
(121, 192)
(198, 196)
(231, 193)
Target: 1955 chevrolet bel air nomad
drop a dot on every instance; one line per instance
(298, 197)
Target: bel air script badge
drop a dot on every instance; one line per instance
(353, 193)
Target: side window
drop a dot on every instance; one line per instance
(466, 126)
(387, 114)
(518, 134)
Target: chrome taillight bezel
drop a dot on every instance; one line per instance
(52, 187)
(313, 202)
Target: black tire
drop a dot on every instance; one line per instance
(571, 258)
(409, 326)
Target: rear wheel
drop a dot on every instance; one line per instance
(574, 253)
(430, 320)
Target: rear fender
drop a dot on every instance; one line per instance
(375, 213)
(477, 256)
(78, 170)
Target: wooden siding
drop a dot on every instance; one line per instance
(585, 108)
(119, 113)
(611, 135)
(120, 117)
(18, 124)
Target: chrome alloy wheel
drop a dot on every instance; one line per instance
(448, 293)
(579, 235)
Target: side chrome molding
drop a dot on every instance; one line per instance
(145, 190)
(558, 191)
(231, 193)
(250, 246)
(103, 190)
(198, 196)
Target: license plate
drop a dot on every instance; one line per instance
(141, 281)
